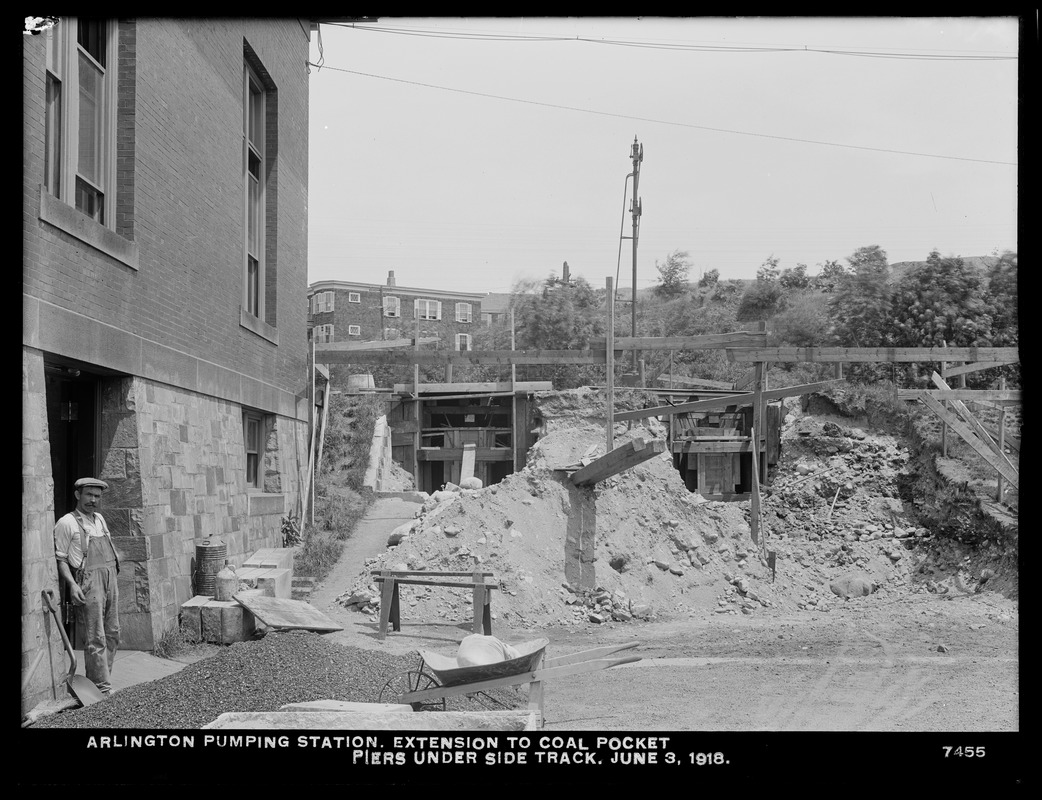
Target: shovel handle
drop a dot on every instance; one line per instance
(49, 600)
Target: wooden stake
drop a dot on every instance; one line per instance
(1002, 439)
(610, 366)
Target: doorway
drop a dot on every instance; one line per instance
(73, 420)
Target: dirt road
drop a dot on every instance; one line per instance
(895, 662)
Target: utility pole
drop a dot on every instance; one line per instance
(637, 154)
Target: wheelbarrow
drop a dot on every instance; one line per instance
(439, 677)
(82, 688)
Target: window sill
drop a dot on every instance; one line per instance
(258, 326)
(77, 224)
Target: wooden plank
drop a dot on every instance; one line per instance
(379, 574)
(1001, 396)
(456, 454)
(437, 358)
(467, 463)
(724, 401)
(357, 347)
(969, 419)
(746, 380)
(700, 446)
(965, 369)
(681, 380)
(872, 354)
(961, 428)
(474, 389)
(389, 579)
(711, 341)
(283, 614)
(621, 458)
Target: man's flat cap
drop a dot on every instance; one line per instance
(82, 483)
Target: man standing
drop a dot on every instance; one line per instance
(88, 564)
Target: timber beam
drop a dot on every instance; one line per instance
(843, 355)
(726, 400)
(1000, 396)
(618, 460)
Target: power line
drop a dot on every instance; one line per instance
(665, 122)
(882, 52)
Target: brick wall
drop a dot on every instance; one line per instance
(368, 315)
(179, 134)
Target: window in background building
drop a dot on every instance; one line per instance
(427, 309)
(323, 334)
(354, 297)
(322, 301)
(392, 307)
(463, 341)
(462, 312)
(354, 330)
(390, 333)
(80, 115)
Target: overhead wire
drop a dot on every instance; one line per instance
(670, 122)
(926, 54)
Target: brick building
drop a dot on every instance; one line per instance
(164, 344)
(342, 311)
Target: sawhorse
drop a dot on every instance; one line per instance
(390, 608)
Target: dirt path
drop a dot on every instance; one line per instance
(911, 662)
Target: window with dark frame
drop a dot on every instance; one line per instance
(253, 426)
(253, 174)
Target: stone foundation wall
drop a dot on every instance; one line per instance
(43, 660)
(175, 462)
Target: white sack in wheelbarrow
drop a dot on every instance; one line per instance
(476, 650)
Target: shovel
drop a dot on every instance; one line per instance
(82, 688)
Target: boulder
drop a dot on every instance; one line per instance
(853, 585)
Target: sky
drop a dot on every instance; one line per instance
(473, 153)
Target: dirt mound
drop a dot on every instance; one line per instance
(833, 507)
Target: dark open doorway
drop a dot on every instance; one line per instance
(72, 424)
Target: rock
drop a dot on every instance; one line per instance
(641, 610)
(471, 483)
(676, 569)
(853, 585)
(451, 530)
(399, 533)
(597, 617)
(942, 649)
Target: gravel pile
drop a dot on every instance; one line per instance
(259, 675)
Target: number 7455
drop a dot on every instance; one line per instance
(964, 752)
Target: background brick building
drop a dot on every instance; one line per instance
(341, 311)
(164, 344)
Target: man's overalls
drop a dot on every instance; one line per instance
(100, 613)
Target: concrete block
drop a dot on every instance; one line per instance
(272, 558)
(362, 721)
(191, 616)
(345, 705)
(280, 582)
(212, 620)
(236, 624)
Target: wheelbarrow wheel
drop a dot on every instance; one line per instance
(412, 681)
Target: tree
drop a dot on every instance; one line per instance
(710, 278)
(1001, 298)
(768, 270)
(795, 278)
(761, 301)
(829, 275)
(559, 316)
(673, 274)
(860, 307)
(869, 260)
(941, 302)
